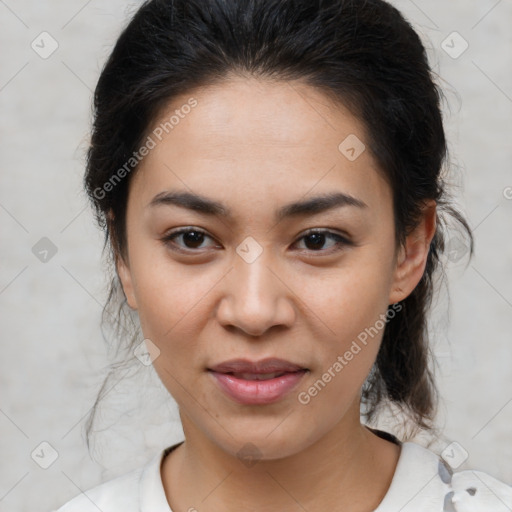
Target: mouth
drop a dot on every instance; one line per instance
(259, 382)
(257, 376)
(267, 366)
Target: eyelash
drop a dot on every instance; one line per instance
(341, 241)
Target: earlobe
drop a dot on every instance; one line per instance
(126, 282)
(412, 256)
(122, 268)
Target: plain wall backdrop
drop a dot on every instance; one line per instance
(53, 353)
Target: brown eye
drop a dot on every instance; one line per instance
(191, 239)
(315, 241)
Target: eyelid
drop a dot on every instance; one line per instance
(327, 231)
(342, 240)
(169, 237)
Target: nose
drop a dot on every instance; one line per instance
(255, 296)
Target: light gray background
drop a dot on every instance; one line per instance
(53, 355)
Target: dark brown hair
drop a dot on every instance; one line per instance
(361, 53)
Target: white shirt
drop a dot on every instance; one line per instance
(422, 482)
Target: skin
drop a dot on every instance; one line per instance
(255, 146)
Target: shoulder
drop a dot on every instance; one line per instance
(139, 490)
(424, 482)
(118, 494)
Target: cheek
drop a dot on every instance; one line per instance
(168, 293)
(350, 306)
(345, 355)
(172, 316)
(171, 308)
(348, 300)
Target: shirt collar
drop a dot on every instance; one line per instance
(417, 472)
(417, 484)
(151, 488)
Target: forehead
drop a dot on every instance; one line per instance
(249, 113)
(258, 138)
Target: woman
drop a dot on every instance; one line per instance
(268, 175)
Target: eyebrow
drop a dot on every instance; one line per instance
(206, 206)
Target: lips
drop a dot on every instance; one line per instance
(259, 382)
(257, 376)
(262, 367)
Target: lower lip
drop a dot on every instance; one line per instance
(257, 392)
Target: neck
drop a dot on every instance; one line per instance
(348, 469)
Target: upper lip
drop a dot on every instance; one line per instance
(269, 365)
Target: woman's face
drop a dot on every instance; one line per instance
(247, 281)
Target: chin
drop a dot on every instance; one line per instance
(265, 440)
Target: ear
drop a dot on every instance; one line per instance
(125, 276)
(122, 267)
(412, 256)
